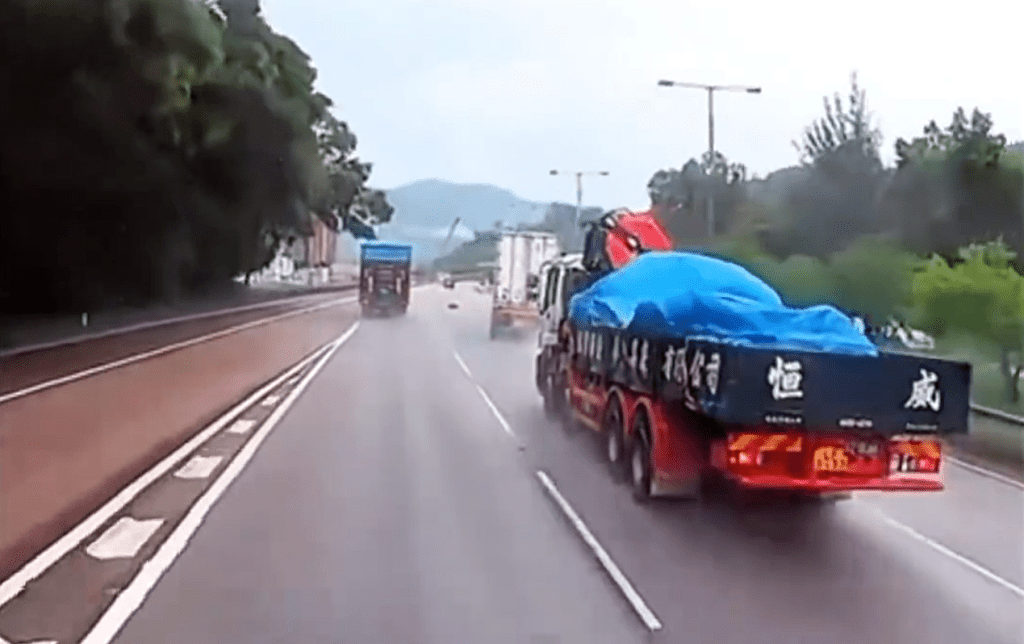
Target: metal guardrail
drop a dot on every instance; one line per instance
(999, 415)
(995, 436)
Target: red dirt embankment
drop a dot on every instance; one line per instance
(65, 450)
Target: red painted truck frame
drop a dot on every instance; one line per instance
(683, 449)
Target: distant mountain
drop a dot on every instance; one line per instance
(425, 210)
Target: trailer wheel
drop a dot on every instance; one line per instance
(493, 332)
(640, 460)
(552, 398)
(563, 396)
(614, 444)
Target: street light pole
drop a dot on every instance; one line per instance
(579, 190)
(710, 89)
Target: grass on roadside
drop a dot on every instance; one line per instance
(988, 388)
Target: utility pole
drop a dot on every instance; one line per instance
(579, 191)
(710, 89)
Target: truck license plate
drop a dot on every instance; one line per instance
(831, 459)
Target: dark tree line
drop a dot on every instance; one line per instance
(151, 149)
(951, 186)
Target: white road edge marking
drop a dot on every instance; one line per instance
(650, 620)
(124, 538)
(241, 426)
(16, 583)
(200, 467)
(978, 568)
(92, 371)
(134, 594)
(985, 472)
(462, 363)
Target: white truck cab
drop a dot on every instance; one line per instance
(558, 279)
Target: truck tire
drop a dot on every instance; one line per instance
(562, 398)
(640, 460)
(493, 331)
(613, 439)
(552, 397)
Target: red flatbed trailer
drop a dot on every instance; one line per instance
(667, 449)
(652, 411)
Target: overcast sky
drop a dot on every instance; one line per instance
(485, 91)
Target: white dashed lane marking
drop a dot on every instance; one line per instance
(200, 467)
(241, 426)
(271, 400)
(124, 538)
(490, 403)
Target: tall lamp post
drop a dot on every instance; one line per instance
(711, 89)
(579, 190)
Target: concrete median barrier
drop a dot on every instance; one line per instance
(66, 449)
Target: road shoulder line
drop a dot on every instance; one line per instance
(955, 556)
(135, 593)
(16, 583)
(139, 357)
(986, 472)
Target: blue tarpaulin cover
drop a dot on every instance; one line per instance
(678, 294)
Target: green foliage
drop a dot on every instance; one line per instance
(800, 280)
(684, 193)
(173, 143)
(957, 185)
(873, 277)
(468, 255)
(981, 296)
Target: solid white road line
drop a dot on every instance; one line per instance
(648, 617)
(129, 599)
(241, 426)
(199, 467)
(92, 371)
(14, 584)
(986, 472)
(938, 547)
(124, 538)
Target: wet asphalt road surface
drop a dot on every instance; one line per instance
(391, 506)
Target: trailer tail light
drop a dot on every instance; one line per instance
(910, 456)
(769, 453)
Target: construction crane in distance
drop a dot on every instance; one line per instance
(448, 239)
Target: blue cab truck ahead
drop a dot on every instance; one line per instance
(384, 277)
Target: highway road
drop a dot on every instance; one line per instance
(403, 485)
